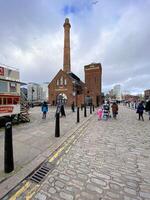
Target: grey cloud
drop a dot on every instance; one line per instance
(114, 33)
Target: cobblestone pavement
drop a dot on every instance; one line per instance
(32, 139)
(111, 160)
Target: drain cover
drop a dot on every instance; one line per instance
(41, 173)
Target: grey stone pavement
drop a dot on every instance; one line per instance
(32, 139)
(111, 160)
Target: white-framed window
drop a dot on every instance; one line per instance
(65, 81)
(57, 82)
(61, 81)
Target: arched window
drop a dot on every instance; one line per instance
(61, 81)
(57, 82)
(65, 82)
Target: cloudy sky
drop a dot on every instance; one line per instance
(115, 33)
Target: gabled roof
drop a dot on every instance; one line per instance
(71, 76)
(75, 78)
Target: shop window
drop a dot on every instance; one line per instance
(0, 101)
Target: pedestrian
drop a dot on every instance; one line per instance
(147, 108)
(106, 111)
(100, 113)
(44, 109)
(140, 110)
(72, 107)
(62, 111)
(114, 110)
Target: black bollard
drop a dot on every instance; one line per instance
(57, 126)
(90, 109)
(85, 111)
(8, 154)
(78, 116)
(93, 108)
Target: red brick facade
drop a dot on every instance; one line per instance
(64, 84)
(93, 74)
(74, 90)
(68, 86)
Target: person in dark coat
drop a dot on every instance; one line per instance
(140, 110)
(114, 110)
(62, 111)
(147, 108)
(44, 109)
(72, 107)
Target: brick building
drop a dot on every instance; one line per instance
(147, 94)
(68, 87)
(131, 98)
(93, 73)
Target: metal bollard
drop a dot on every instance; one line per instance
(57, 126)
(8, 154)
(85, 111)
(90, 109)
(78, 116)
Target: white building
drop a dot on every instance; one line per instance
(34, 91)
(117, 92)
(38, 92)
(44, 91)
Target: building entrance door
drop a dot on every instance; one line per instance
(61, 98)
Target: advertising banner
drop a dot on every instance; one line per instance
(6, 109)
(1, 71)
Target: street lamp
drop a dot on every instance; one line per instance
(32, 90)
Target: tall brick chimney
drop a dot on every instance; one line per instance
(66, 63)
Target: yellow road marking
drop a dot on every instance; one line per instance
(32, 192)
(20, 191)
(70, 140)
(27, 184)
(68, 149)
(56, 154)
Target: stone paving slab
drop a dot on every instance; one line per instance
(31, 139)
(29, 166)
(110, 161)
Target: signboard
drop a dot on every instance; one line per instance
(1, 71)
(9, 74)
(6, 109)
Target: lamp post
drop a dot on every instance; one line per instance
(32, 95)
(76, 93)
